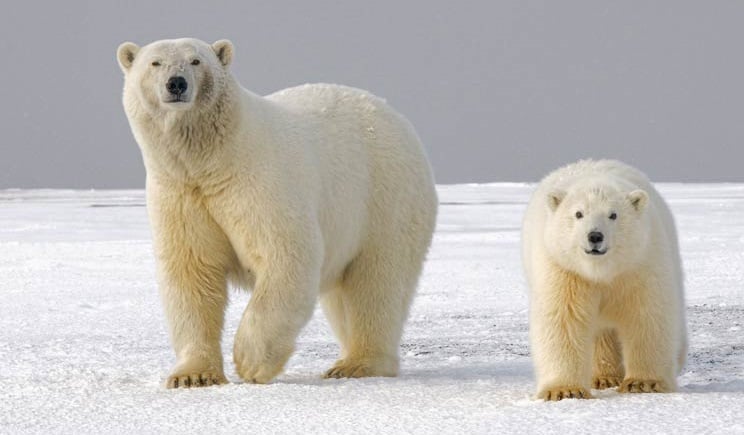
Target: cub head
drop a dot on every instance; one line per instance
(597, 231)
(174, 75)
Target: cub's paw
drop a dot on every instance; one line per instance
(555, 394)
(604, 382)
(194, 380)
(632, 385)
(354, 368)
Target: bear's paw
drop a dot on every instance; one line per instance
(554, 394)
(195, 380)
(633, 385)
(604, 382)
(258, 362)
(351, 368)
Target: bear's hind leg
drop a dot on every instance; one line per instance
(377, 291)
(608, 369)
(332, 301)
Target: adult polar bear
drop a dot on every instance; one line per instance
(314, 190)
(600, 253)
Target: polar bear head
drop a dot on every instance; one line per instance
(175, 75)
(597, 230)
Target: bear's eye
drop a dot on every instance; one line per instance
(195, 62)
(155, 63)
(613, 216)
(579, 215)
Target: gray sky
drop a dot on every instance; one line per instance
(498, 90)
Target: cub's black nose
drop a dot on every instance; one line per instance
(176, 85)
(596, 237)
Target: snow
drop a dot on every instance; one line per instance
(84, 348)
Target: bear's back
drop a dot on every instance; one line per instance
(328, 99)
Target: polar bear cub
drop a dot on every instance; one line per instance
(314, 192)
(600, 254)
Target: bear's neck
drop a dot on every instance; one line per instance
(202, 129)
(185, 145)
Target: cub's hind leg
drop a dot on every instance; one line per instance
(607, 369)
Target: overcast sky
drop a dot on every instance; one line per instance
(498, 90)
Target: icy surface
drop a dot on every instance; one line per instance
(84, 348)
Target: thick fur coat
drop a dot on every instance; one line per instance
(314, 192)
(601, 257)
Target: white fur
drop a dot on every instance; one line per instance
(314, 191)
(603, 320)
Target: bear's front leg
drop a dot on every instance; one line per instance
(562, 329)
(281, 304)
(194, 297)
(192, 253)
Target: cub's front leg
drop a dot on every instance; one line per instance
(650, 340)
(191, 252)
(562, 319)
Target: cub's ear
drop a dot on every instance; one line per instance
(555, 198)
(224, 51)
(638, 199)
(125, 54)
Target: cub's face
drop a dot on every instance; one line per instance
(174, 75)
(597, 232)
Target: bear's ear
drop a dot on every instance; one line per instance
(125, 54)
(224, 51)
(638, 199)
(555, 198)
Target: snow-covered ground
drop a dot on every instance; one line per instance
(84, 348)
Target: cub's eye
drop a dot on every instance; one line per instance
(155, 63)
(195, 62)
(613, 216)
(579, 215)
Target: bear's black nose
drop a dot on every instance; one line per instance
(596, 237)
(176, 85)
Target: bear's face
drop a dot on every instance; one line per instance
(174, 75)
(597, 232)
